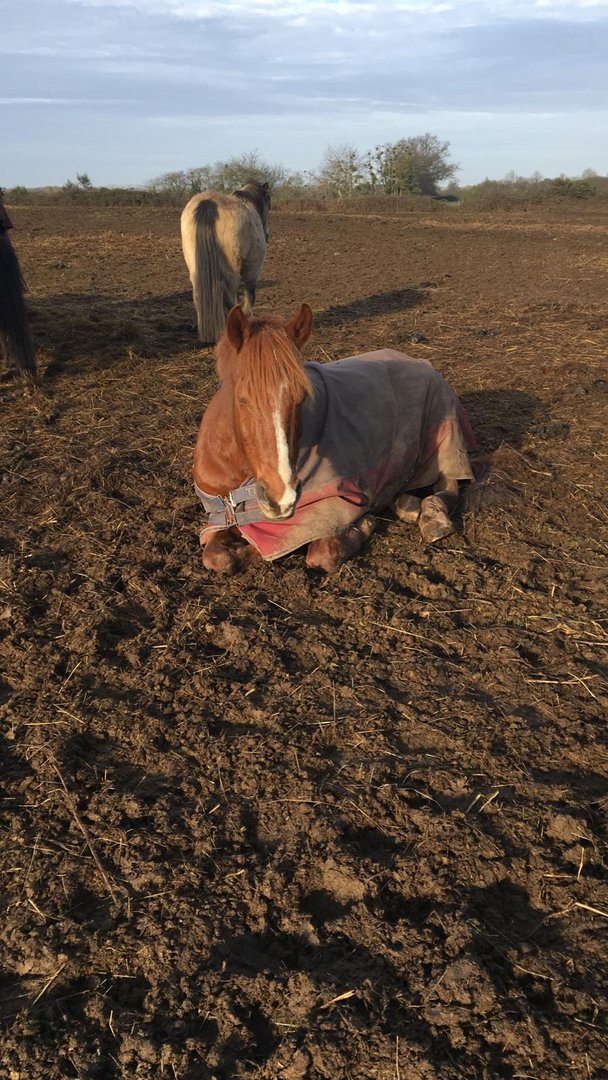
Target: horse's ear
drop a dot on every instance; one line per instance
(266, 186)
(300, 325)
(237, 327)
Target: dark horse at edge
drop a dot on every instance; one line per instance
(15, 338)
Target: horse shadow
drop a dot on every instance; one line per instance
(385, 303)
(94, 331)
(503, 416)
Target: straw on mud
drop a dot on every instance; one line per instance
(528, 971)
(489, 800)
(36, 908)
(594, 910)
(340, 997)
(49, 982)
(474, 801)
(408, 633)
(82, 827)
(567, 910)
(583, 683)
(66, 680)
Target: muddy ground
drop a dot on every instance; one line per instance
(284, 826)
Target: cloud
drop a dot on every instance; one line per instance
(242, 73)
(61, 101)
(463, 12)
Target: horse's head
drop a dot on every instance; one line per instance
(259, 194)
(260, 359)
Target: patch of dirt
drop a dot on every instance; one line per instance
(285, 826)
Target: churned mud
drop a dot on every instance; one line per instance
(286, 826)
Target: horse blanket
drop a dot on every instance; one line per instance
(376, 425)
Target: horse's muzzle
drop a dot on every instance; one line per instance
(275, 511)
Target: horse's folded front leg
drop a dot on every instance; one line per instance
(226, 552)
(218, 556)
(330, 552)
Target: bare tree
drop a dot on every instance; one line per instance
(171, 181)
(341, 169)
(232, 174)
(200, 178)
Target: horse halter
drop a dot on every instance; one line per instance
(238, 507)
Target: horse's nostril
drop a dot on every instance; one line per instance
(265, 500)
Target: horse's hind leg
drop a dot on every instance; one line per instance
(407, 508)
(330, 552)
(198, 325)
(246, 296)
(435, 520)
(249, 272)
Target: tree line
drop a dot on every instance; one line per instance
(413, 167)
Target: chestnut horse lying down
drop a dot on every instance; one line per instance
(290, 454)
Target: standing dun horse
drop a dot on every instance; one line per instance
(15, 340)
(291, 454)
(224, 244)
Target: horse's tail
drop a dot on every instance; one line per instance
(212, 286)
(13, 316)
(492, 485)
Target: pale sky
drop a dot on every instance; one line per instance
(127, 89)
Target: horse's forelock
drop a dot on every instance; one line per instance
(270, 361)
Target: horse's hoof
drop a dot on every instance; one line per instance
(319, 558)
(326, 555)
(434, 529)
(365, 527)
(407, 508)
(220, 561)
(434, 522)
(246, 556)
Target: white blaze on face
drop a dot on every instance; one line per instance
(289, 495)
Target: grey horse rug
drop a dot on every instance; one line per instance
(376, 425)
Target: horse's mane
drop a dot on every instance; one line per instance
(254, 192)
(269, 360)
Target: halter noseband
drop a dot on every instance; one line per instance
(239, 507)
